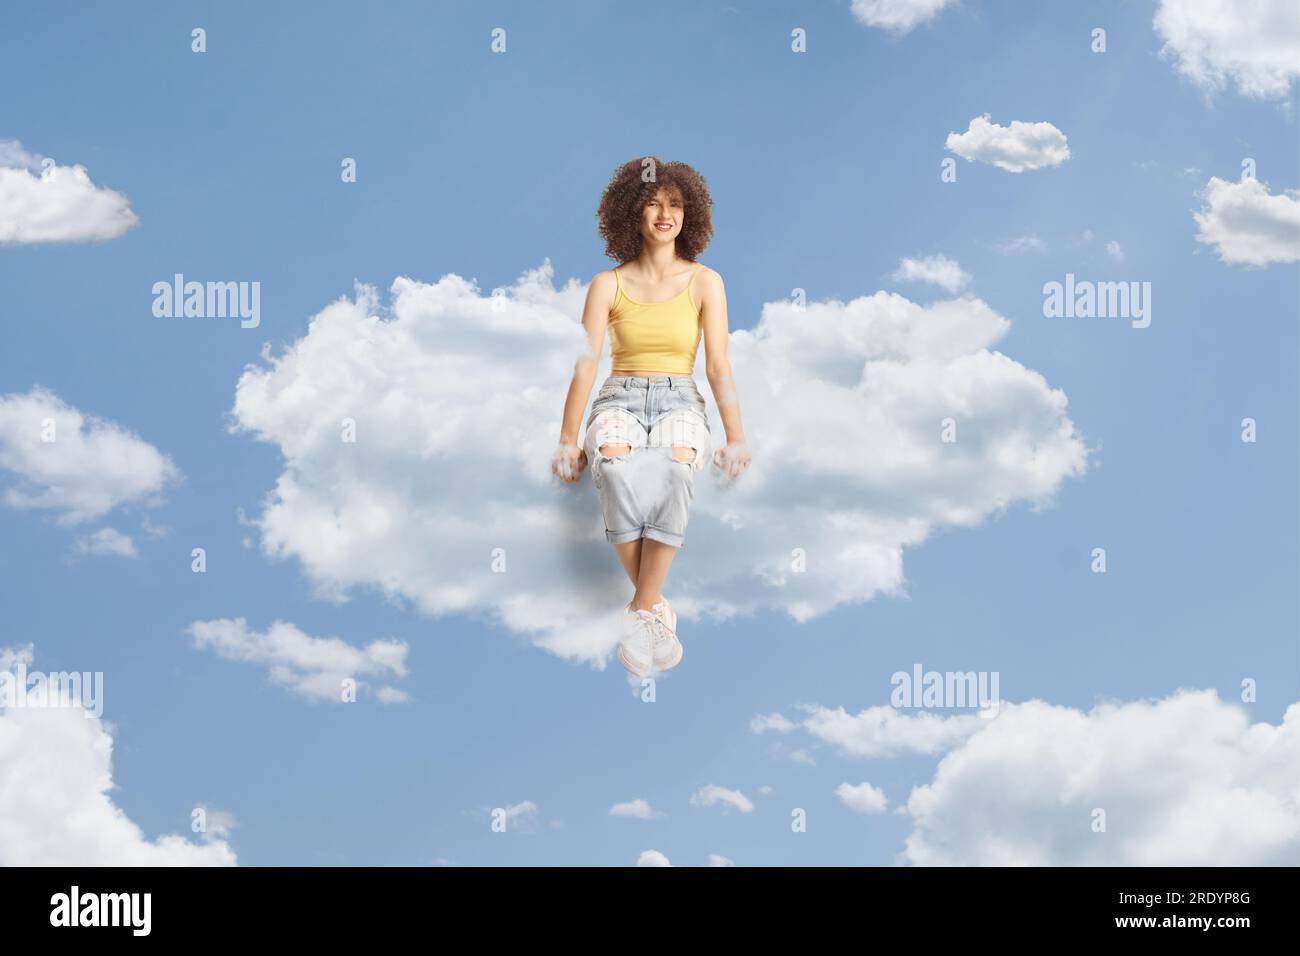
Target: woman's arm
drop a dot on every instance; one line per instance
(717, 367)
(569, 458)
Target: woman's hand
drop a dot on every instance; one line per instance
(567, 462)
(732, 460)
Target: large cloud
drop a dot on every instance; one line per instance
(50, 203)
(1247, 224)
(1252, 43)
(456, 399)
(1015, 148)
(55, 804)
(73, 464)
(1185, 780)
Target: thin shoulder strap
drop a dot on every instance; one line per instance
(694, 273)
(618, 283)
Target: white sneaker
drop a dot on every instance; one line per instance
(636, 649)
(665, 612)
(667, 648)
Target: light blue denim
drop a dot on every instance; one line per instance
(647, 493)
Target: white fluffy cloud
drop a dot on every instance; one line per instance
(713, 795)
(652, 858)
(897, 16)
(90, 466)
(937, 270)
(1015, 148)
(862, 797)
(638, 809)
(716, 859)
(314, 667)
(1254, 44)
(55, 803)
(1247, 224)
(52, 203)
(1185, 780)
(446, 498)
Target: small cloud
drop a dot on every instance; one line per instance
(107, 542)
(776, 722)
(521, 816)
(1248, 225)
(713, 794)
(1114, 251)
(936, 270)
(652, 858)
(717, 860)
(1030, 243)
(313, 667)
(1015, 148)
(638, 809)
(862, 797)
(45, 202)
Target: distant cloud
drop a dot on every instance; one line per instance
(1247, 224)
(108, 542)
(883, 731)
(717, 860)
(775, 722)
(1254, 45)
(862, 797)
(897, 16)
(1115, 251)
(1020, 244)
(712, 795)
(313, 667)
(639, 809)
(1015, 148)
(76, 465)
(56, 794)
(521, 816)
(51, 203)
(936, 270)
(652, 858)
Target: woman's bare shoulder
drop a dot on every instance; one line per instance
(711, 278)
(603, 282)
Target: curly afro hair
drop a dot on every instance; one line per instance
(624, 201)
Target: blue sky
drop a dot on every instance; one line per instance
(825, 171)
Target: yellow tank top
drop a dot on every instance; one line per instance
(655, 336)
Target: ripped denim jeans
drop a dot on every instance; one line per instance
(647, 493)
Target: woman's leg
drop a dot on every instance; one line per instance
(656, 557)
(629, 552)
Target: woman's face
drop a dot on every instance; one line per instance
(661, 220)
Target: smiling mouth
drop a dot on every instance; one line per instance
(663, 226)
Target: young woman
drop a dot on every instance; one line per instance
(647, 435)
